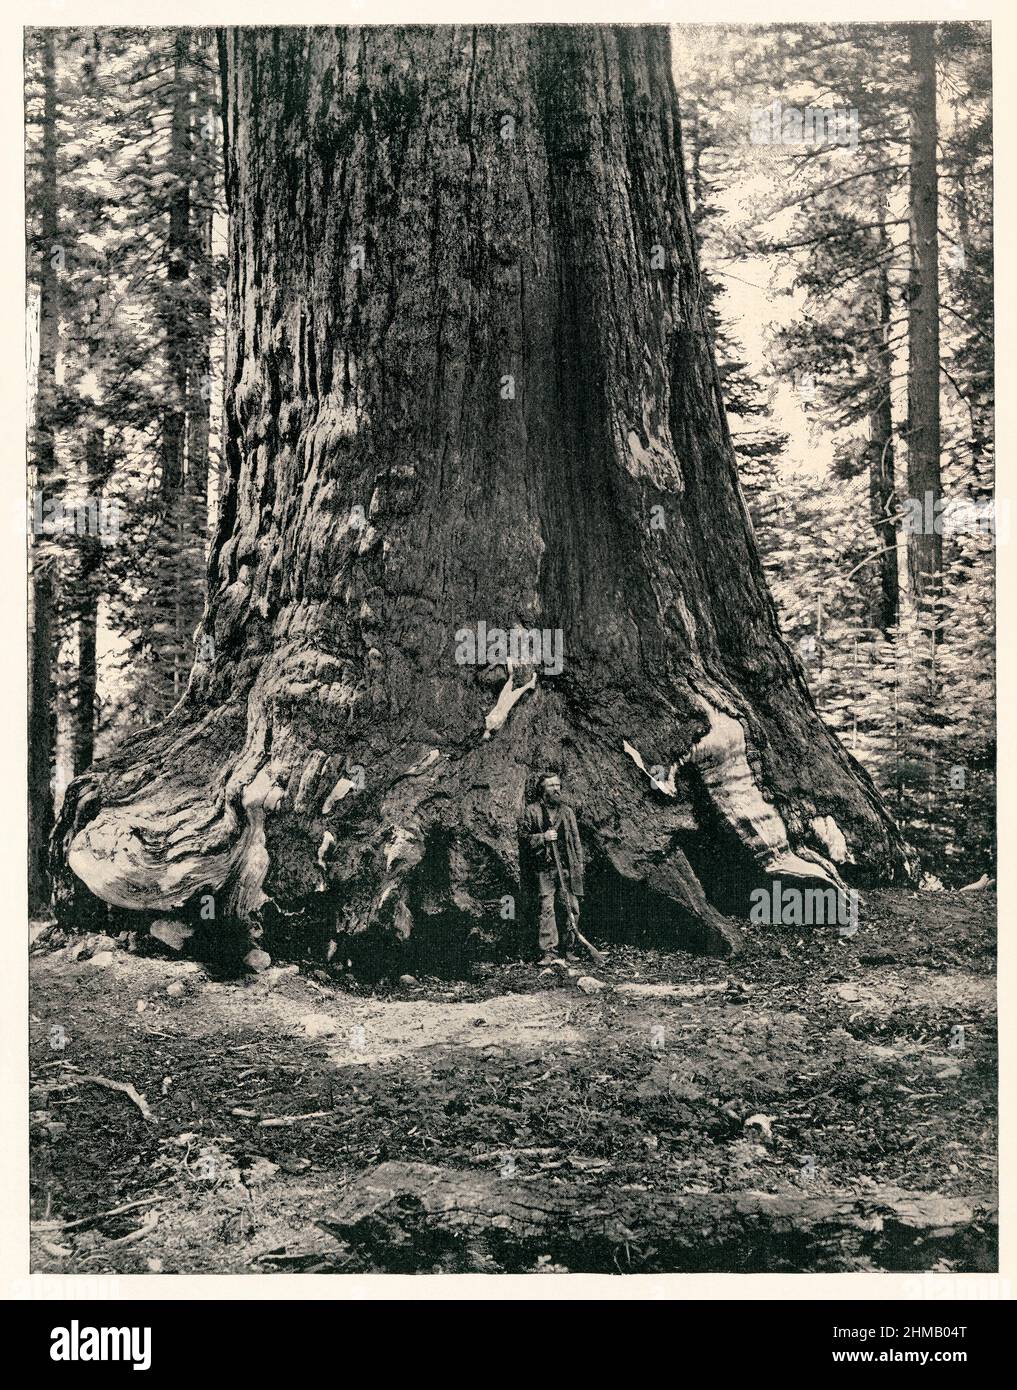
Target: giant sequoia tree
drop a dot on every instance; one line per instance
(469, 380)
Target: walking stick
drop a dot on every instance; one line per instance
(598, 956)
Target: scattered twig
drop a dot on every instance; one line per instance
(126, 1088)
(99, 1216)
(280, 1120)
(148, 1224)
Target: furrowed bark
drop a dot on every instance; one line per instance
(468, 382)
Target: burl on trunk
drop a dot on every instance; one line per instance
(469, 382)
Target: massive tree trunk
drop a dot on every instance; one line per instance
(925, 543)
(468, 381)
(42, 635)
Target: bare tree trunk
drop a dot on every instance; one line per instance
(179, 339)
(90, 565)
(925, 543)
(468, 383)
(178, 254)
(42, 637)
(882, 491)
(978, 402)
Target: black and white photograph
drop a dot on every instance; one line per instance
(511, 534)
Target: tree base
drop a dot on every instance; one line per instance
(202, 822)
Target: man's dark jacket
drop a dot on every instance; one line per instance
(537, 858)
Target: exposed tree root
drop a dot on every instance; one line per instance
(720, 760)
(431, 836)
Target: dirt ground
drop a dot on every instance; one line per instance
(812, 1064)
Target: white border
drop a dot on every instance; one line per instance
(15, 1282)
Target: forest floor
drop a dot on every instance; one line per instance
(811, 1064)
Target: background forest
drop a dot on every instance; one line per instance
(860, 400)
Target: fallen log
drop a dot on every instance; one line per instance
(409, 1217)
